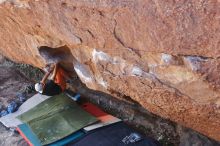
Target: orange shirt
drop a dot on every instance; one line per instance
(60, 78)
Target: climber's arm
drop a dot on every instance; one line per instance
(47, 75)
(43, 81)
(54, 71)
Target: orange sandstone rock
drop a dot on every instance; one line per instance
(162, 54)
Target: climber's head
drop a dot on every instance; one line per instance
(39, 87)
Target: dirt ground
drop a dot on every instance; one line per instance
(11, 82)
(15, 78)
(10, 138)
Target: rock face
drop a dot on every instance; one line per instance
(161, 54)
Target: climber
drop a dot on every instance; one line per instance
(57, 82)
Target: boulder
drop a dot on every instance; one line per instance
(162, 54)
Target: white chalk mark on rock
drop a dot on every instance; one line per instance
(136, 71)
(102, 82)
(17, 3)
(194, 62)
(100, 56)
(83, 73)
(166, 58)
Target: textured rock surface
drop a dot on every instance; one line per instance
(161, 54)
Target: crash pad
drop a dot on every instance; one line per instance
(104, 118)
(118, 134)
(56, 118)
(11, 121)
(32, 139)
(28, 135)
(68, 139)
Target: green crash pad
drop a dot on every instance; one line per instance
(56, 118)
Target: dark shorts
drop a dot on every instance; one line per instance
(51, 88)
